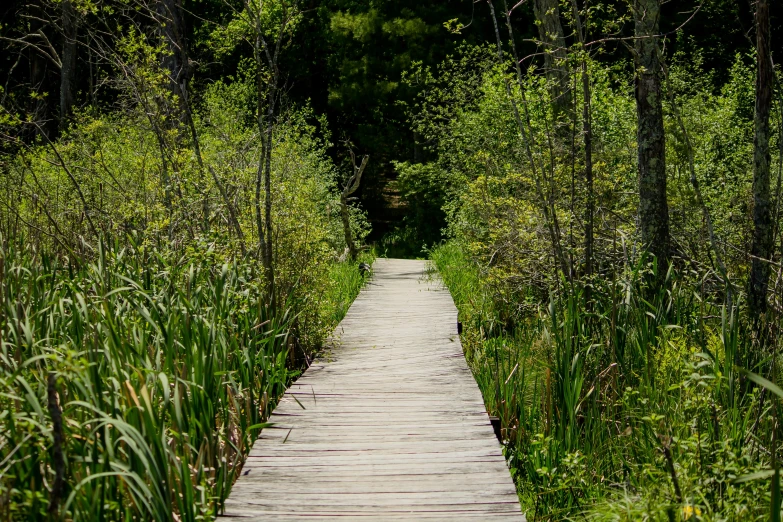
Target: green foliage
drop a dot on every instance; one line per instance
(400, 242)
(157, 361)
(344, 284)
(124, 276)
(258, 18)
(490, 192)
(373, 44)
(115, 163)
(360, 26)
(422, 189)
(618, 401)
(626, 404)
(167, 365)
(590, 403)
(720, 128)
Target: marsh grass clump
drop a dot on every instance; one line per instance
(133, 385)
(635, 410)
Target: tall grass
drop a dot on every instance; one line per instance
(132, 387)
(627, 409)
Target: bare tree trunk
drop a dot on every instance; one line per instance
(653, 203)
(550, 31)
(68, 69)
(588, 144)
(58, 458)
(171, 22)
(346, 219)
(262, 156)
(39, 106)
(418, 152)
(93, 97)
(268, 254)
(761, 249)
(351, 186)
(172, 28)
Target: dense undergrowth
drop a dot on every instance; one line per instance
(132, 386)
(145, 336)
(632, 411)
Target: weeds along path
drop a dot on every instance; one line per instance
(388, 424)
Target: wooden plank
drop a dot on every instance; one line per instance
(371, 504)
(370, 473)
(380, 487)
(510, 515)
(387, 424)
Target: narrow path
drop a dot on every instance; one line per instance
(389, 424)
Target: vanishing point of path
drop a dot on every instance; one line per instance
(387, 425)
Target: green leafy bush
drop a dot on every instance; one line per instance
(604, 412)
(618, 399)
(139, 355)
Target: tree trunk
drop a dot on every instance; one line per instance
(588, 143)
(39, 71)
(58, 457)
(587, 130)
(550, 32)
(68, 69)
(266, 94)
(653, 204)
(268, 254)
(262, 156)
(761, 249)
(351, 186)
(172, 28)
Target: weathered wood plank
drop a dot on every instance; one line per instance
(419, 487)
(473, 513)
(387, 424)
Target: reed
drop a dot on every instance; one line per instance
(627, 408)
(162, 369)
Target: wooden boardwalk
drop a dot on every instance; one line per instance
(388, 425)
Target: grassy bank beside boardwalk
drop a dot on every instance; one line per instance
(133, 385)
(633, 407)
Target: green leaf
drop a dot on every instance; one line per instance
(761, 381)
(758, 475)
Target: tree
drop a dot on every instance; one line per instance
(587, 136)
(761, 248)
(351, 186)
(269, 24)
(350, 58)
(653, 204)
(171, 25)
(68, 65)
(550, 31)
(526, 133)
